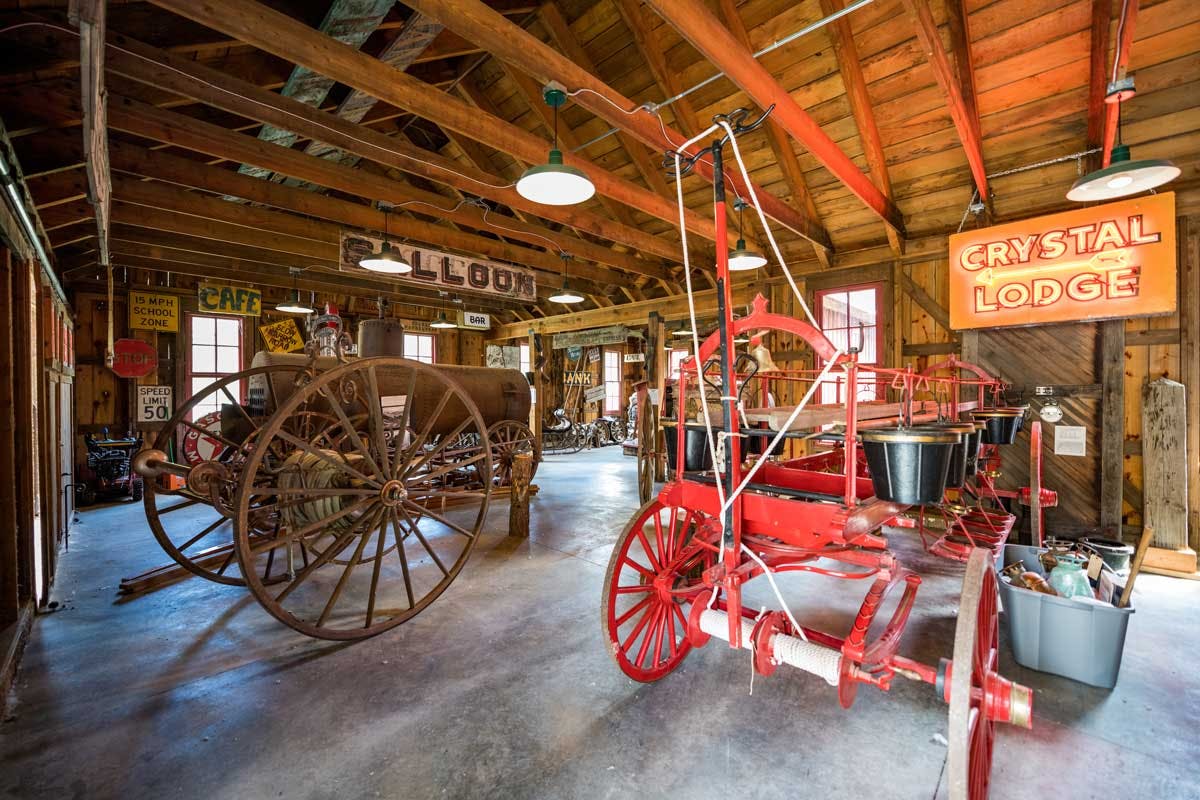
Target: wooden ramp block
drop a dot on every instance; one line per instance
(1165, 467)
(1182, 559)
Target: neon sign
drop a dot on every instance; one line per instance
(1115, 260)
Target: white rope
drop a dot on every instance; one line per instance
(737, 155)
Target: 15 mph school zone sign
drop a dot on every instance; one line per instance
(1115, 260)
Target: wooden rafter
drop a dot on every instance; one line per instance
(850, 67)
(639, 24)
(714, 41)
(146, 64)
(477, 22)
(1112, 112)
(962, 110)
(781, 146)
(291, 39)
(1098, 73)
(90, 17)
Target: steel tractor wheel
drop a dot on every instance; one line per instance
(374, 519)
(508, 438)
(200, 539)
(653, 574)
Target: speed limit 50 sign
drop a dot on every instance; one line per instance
(154, 403)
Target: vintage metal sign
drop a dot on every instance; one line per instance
(220, 298)
(594, 394)
(153, 312)
(577, 378)
(154, 403)
(133, 358)
(633, 358)
(475, 320)
(612, 334)
(282, 336)
(444, 270)
(1115, 260)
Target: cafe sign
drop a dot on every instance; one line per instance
(444, 271)
(220, 298)
(1102, 262)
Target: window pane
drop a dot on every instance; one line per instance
(228, 359)
(204, 359)
(229, 332)
(867, 387)
(862, 307)
(525, 363)
(838, 337)
(833, 310)
(868, 335)
(235, 389)
(203, 330)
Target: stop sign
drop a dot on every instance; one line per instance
(133, 358)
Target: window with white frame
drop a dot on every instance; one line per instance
(215, 350)
(850, 317)
(612, 382)
(420, 347)
(677, 357)
(525, 362)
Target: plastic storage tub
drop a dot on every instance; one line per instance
(1080, 641)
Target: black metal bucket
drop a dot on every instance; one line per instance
(696, 456)
(1116, 554)
(973, 442)
(1002, 424)
(956, 475)
(909, 465)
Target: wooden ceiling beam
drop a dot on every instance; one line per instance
(640, 26)
(706, 33)
(155, 67)
(781, 146)
(850, 67)
(1098, 74)
(90, 16)
(277, 33)
(560, 33)
(959, 102)
(475, 21)
(1112, 112)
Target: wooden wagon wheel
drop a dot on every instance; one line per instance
(201, 540)
(654, 571)
(378, 490)
(647, 447)
(976, 636)
(507, 438)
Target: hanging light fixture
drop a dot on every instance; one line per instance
(742, 258)
(388, 259)
(442, 323)
(1123, 176)
(555, 183)
(565, 295)
(294, 305)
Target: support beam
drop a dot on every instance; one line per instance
(966, 121)
(706, 33)
(638, 21)
(940, 315)
(1112, 425)
(277, 33)
(672, 308)
(90, 16)
(781, 146)
(146, 64)
(850, 67)
(475, 21)
(1112, 111)
(1098, 74)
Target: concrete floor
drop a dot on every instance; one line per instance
(503, 689)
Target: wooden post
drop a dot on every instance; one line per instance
(536, 362)
(1112, 425)
(1188, 238)
(518, 510)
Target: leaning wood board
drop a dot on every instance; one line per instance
(1164, 463)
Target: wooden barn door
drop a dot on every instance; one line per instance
(1066, 357)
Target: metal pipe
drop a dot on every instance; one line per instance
(791, 37)
(17, 204)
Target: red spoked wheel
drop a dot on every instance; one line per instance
(655, 570)
(972, 729)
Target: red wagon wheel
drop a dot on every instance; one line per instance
(972, 733)
(654, 570)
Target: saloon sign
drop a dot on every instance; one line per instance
(444, 271)
(1115, 260)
